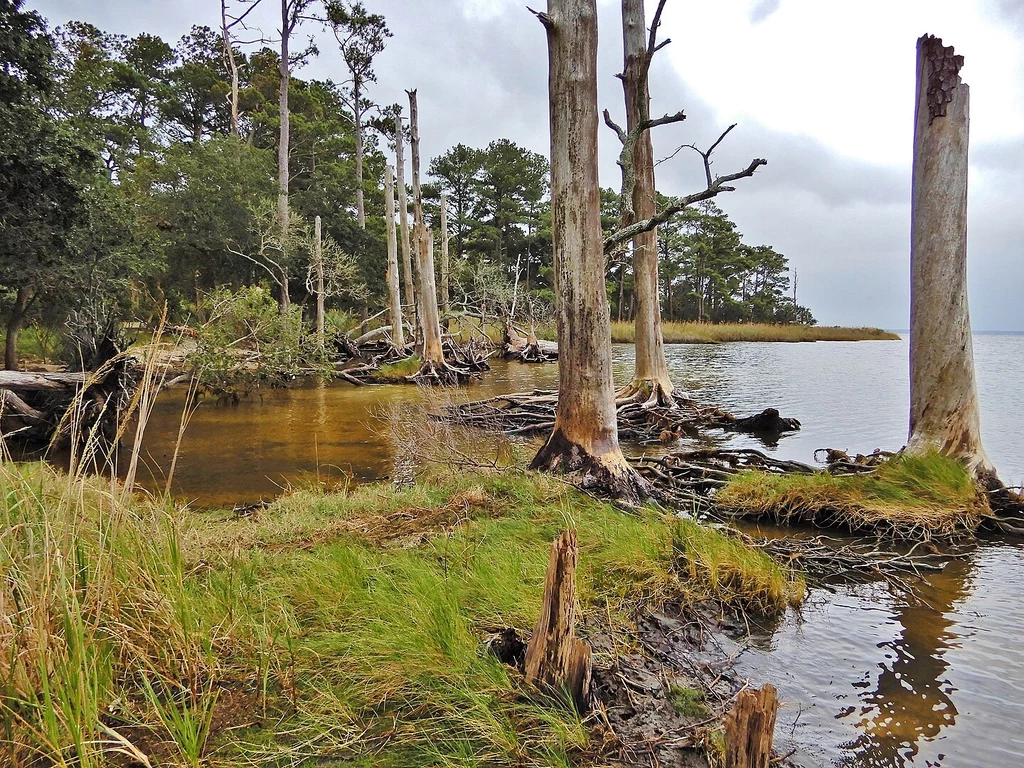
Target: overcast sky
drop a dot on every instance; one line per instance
(823, 89)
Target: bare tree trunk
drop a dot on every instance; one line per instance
(229, 57)
(943, 395)
(433, 353)
(430, 326)
(15, 322)
(318, 256)
(585, 437)
(403, 221)
(397, 330)
(283, 138)
(651, 379)
(556, 660)
(357, 114)
(445, 298)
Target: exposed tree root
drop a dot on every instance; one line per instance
(609, 475)
(649, 393)
(531, 413)
(442, 373)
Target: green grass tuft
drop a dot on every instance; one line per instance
(326, 627)
(910, 493)
(398, 372)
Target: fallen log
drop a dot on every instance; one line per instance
(65, 409)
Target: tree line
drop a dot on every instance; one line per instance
(142, 173)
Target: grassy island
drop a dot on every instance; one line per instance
(325, 627)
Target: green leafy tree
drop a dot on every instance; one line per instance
(43, 166)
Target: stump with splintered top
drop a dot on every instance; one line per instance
(557, 662)
(750, 727)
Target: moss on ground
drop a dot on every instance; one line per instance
(329, 627)
(910, 496)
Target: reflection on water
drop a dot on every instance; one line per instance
(869, 676)
(873, 677)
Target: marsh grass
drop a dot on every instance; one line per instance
(707, 333)
(910, 495)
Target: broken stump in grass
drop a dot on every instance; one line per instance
(749, 728)
(558, 662)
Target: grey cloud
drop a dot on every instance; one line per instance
(843, 223)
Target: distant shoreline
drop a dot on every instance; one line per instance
(706, 333)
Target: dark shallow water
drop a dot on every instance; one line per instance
(870, 676)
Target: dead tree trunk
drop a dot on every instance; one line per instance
(229, 59)
(750, 728)
(284, 67)
(943, 394)
(445, 298)
(651, 380)
(397, 331)
(585, 436)
(403, 222)
(318, 256)
(557, 662)
(434, 367)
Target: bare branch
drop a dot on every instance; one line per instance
(652, 41)
(721, 184)
(615, 127)
(678, 117)
(544, 18)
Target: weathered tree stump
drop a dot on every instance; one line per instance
(750, 727)
(558, 662)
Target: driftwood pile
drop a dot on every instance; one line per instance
(531, 413)
(65, 409)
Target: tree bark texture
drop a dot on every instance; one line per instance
(403, 222)
(445, 266)
(750, 728)
(397, 331)
(651, 378)
(430, 326)
(433, 353)
(318, 256)
(585, 435)
(557, 662)
(943, 394)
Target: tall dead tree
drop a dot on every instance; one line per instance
(585, 437)
(651, 380)
(394, 295)
(445, 296)
(228, 24)
(638, 214)
(318, 265)
(291, 16)
(434, 368)
(943, 395)
(403, 222)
